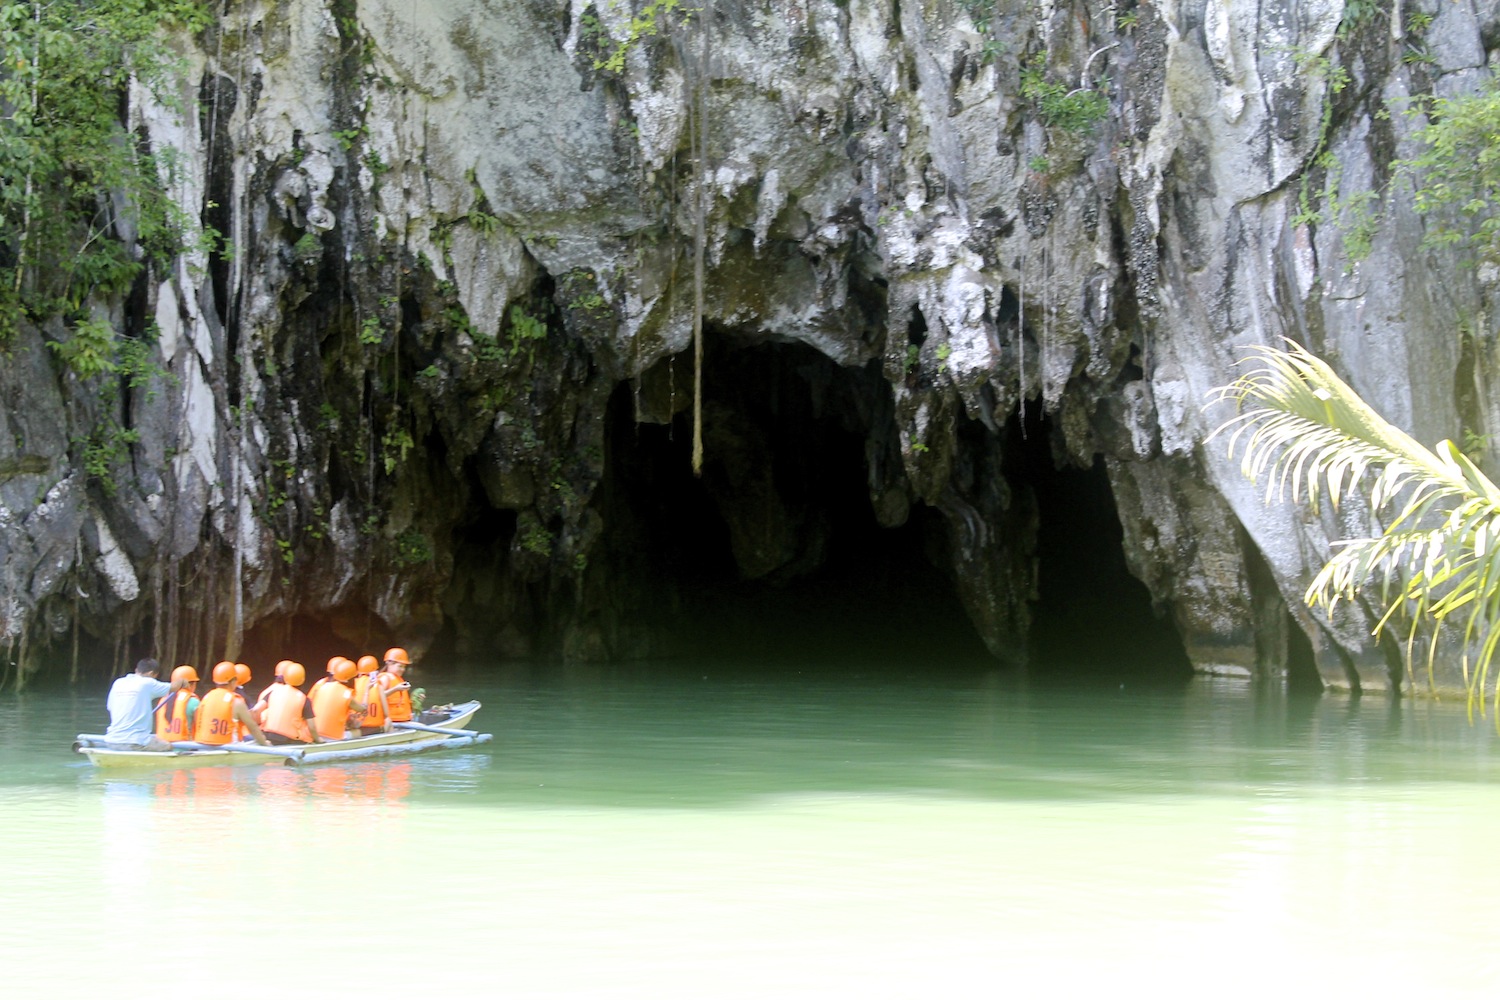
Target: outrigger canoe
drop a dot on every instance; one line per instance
(441, 728)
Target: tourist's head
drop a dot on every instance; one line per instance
(147, 667)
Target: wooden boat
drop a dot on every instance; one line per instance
(442, 729)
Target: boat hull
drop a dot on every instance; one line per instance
(397, 740)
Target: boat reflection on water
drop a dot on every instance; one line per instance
(387, 780)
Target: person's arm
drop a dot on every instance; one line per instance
(311, 718)
(385, 709)
(242, 715)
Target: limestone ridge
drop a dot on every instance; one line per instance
(463, 260)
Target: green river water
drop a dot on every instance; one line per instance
(682, 833)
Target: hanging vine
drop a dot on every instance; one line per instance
(699, 96)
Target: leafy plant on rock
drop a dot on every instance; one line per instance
(1456, 173)
(75, 183)
(653, 18)
(1077, 111)
(1307, 434)
(526, 331)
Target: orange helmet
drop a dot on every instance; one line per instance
(398, 655)
(333, 663)
(242, 672)
(186, 674)
(345, 670)
(368, 664)
(281, 666)
(224, 672)
(293, 674)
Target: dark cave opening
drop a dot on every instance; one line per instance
(1091, 616)
(311, 640)
(774, 556)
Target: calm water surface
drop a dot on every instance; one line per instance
(697, 836)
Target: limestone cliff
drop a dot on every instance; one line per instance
(418, 397)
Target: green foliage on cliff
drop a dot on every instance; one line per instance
(1307, 434)
(73, 178)
(526, 331)
(654, 18)
(1457, 170)
(1076, 111)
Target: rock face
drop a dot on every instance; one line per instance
(443, 387)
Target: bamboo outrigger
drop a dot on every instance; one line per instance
(441, 732)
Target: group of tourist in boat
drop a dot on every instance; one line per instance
(354, 698)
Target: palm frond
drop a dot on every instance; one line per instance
(1307, 435)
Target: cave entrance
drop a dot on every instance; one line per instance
(775, 555)
(1091, 616)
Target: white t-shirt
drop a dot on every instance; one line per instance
(132, 699)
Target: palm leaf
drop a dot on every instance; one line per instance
(1307, 435)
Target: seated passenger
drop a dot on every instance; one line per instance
(397, 688)
(334, 701)
(258, 709)
(288, 713)
(222, 712)
(333, 662)
(175, 712)
(131, 700)
(367, 689)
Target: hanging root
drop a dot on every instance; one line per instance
(699, 244)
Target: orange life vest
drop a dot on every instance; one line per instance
(172, 717)
(397, 702)
(284, 713)
(258, 710)
(365, 691)
(317, 686)
(331, 710)
(216, 722)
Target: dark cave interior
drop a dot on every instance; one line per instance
(816, 581)
(788, 440)
(1092, 617)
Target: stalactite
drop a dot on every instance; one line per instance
(73, 668)
(19, 681)
(236, 631)
(166, 596)
(115, 653)
(1046, 264)
(1021, 330)
(26, 196)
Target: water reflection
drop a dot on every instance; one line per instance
(387, 781)
(390, 782)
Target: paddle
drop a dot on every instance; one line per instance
(434, 729)
(389, 750)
